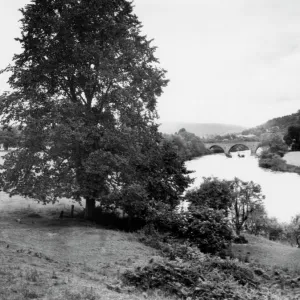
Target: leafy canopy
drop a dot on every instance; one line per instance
(85, 91)
(213, 193)
(292, 137)
(240, 201)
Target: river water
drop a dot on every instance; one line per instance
(282, 190)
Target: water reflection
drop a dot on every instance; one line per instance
(281, 189)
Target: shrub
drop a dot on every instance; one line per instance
(173, 248)
(212, 278)
(115, 219)
(238, 270)
(240, 240)
(274, 163)
(206, 228)
(212, 193)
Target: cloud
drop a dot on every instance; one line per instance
(231, 61)
(235, 61)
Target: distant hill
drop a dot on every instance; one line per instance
(200, 129)
(276, 125)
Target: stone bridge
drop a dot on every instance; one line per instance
(229, 146)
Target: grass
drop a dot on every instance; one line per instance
(274, 278)
(268, 253)
(44, 257)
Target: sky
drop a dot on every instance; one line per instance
(234, 62)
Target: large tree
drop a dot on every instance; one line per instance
(85, 91)
(275, 143)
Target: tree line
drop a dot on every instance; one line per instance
(187, 144)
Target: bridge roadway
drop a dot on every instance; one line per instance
(227, 146)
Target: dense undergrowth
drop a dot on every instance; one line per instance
(188, 273)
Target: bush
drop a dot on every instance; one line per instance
(211, 278)
(212, 193)
(115, 219)
(275, 163)
(240, 240)
(206, 228)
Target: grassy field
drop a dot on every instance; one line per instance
(270, 254)
(44, 257)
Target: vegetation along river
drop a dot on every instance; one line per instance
(281, 189)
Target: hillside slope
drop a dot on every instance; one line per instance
(200, 129)
(280, 124)
(47, 258)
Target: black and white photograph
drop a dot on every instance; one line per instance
(150, 149)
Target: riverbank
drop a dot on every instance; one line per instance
(274, 162)
(44, 257)
(280, 188)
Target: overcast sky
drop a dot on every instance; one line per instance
(234, 61)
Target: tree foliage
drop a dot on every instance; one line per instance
(275, 143)
(293, 231)
(206, 228)
(240, 201)
(292, 138)
(258, 221)
(247, 199)
(213, 193)
(9, 137)
(276, 125)
(85, 91)
(187, 144)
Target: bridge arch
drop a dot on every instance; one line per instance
(227, 145)
(217, 149)
(238, 147)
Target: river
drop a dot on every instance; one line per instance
(281, 189)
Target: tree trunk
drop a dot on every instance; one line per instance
(238, 229)
(298, 240)
(72, 211)
(90, 205)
